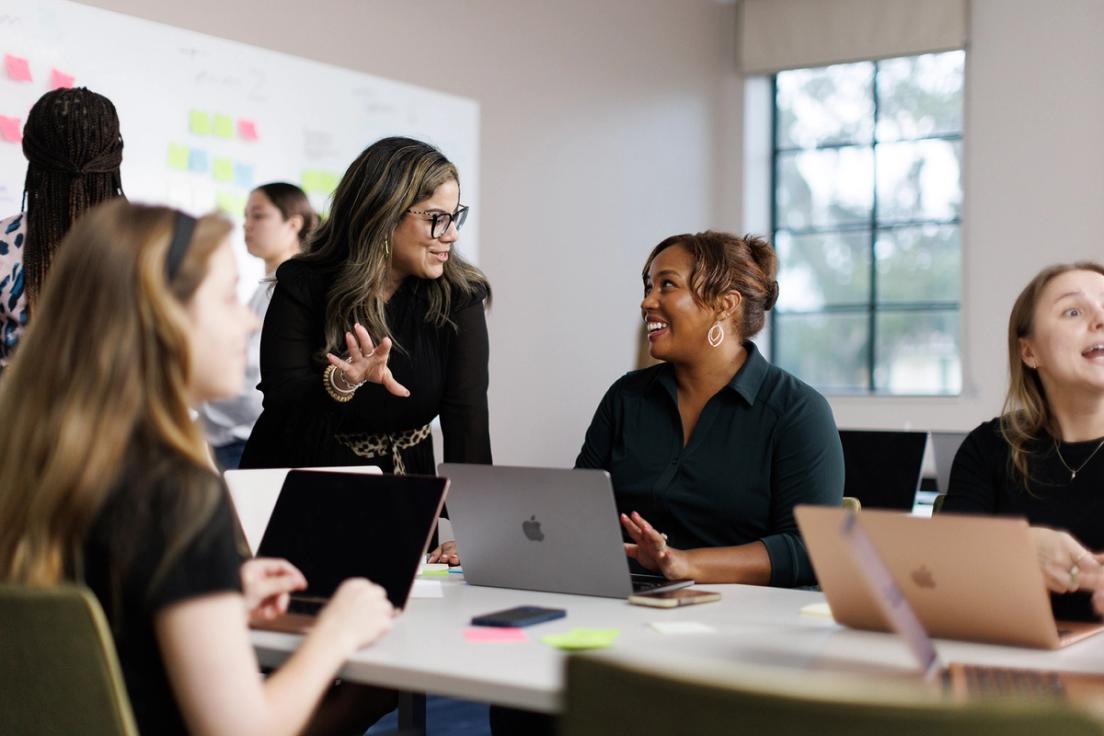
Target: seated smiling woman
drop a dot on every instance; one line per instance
(710, 450)
(1043, 458)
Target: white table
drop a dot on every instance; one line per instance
(426, 651)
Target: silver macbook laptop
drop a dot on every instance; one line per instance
(545, 529)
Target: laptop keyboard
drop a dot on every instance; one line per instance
(1000, 681)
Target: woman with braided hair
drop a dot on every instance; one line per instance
(73, 149)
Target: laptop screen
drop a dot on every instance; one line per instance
(883, 468)
(334, 526)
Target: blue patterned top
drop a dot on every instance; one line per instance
(13, 299)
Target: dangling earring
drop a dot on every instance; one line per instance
(716, 335)
(387, 248)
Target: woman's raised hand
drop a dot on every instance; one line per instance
(366, 362)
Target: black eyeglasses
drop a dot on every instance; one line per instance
(439, 221)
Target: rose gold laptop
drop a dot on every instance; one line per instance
(960, 681)
(974, 578)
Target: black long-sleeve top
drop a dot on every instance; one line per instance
(445, 368)
(763, 444)
(983, 482)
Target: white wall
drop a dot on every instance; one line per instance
(604, 129)
(609, 125)
(1034, 187)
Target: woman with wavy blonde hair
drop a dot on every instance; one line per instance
(106, 480)
(1043, 458)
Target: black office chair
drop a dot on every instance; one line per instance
(882, 469)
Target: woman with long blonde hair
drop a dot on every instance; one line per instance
(1043, 458)
(106, 480)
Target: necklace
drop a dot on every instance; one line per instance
(1075, 471)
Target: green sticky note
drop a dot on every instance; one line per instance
(328, 181)
(178, 157)
(199, 122)
(310, 181)
(231, 203)
(223, 169)
(435, 573)
(578, 639)
(224, 126)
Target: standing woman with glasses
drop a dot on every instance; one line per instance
(379, 328)
(1043, 458)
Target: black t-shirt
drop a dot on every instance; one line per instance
(444, 366)
(983, 481)
(145, 515)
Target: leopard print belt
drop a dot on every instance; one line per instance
(379, 445)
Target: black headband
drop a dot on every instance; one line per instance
(183, 228)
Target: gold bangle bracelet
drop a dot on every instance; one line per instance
(328, 384)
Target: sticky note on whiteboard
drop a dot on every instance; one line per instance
(243, 175)
(17, 68)
(60, 80)
(178, 157)
(247, 129)
(11, 129)
(199, 122)
(224, 126)
(222, 169)
(197, 160)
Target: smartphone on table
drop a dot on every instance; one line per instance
(674, 598)
(519, 616)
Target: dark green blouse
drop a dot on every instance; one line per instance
(763, 444)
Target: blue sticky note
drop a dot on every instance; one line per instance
(197, 160)
(243, 176)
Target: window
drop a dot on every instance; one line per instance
(866, 218)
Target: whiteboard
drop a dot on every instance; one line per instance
(204, 120)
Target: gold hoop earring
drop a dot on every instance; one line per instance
(716, 335)
(387, 248)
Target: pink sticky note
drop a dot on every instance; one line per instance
(494, 633)
(60, 80)
(11, 129)
(17, 67)
(247, 129)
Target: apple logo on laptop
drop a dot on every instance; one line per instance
(532, 529)
(923, 577)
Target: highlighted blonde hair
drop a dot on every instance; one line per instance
(100, 383)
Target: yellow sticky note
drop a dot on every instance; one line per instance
(178, 157)
(309, 180)
(328, 181)
(578, 639)
(223, 169)
(224, 126)
(199, 122)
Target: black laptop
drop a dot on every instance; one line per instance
(334, 526)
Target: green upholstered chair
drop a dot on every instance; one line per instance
(58, 669)
(606, 697)
(851, 503)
